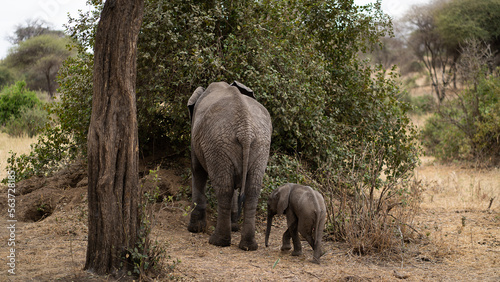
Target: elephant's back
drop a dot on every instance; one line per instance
(225, 110)
(308, 197)
(224, 120)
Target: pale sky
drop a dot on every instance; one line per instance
(55, 12)
(394, 8)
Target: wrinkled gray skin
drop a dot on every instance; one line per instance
(230, 141)
(305, 213)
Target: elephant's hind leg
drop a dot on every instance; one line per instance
(222, 233)
(198, 222)
(248, 242)
(286, 246)
(294, 232)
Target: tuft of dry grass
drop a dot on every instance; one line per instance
(19, 145)
(371, 215)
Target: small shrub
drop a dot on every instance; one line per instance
(53, 150)
(443, 140)
(412, 67)
(148, 255)
(368, 212)
(410, 82)
(14, 98)
(30, 121)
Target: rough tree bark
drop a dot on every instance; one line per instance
(113, 191)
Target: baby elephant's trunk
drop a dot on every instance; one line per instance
(269, 224)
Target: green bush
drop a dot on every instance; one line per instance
(467, 127)
(443, 140)
(74, 108)
(6, 76)
(53, 150)
(14, 98)
(315, 87)
(31, 122)
(420, 104)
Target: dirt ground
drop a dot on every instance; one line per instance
(462, 236)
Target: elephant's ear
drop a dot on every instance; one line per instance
(192, 101)
(283, 198)
(243, 89)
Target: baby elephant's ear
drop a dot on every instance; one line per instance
(283, 198)
(192, 101)
(243, 89)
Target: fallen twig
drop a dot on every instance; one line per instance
(411, 227)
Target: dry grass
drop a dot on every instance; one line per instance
(462, 228)
(18, 145)
(457, 187)
(453, 248)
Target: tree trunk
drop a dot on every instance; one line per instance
(113, 190)
(49, 86)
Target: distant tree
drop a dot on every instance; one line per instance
(442, 27)
(33, 28)
(467, 126)
(460, 21)
(394, 50)
(38, 59)
(429, 47)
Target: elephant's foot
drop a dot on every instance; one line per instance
(297, 253)
(219, 241)
(197, 223)
(197, 226)
(248, 245)
(286, 248)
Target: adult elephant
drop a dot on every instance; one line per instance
(230, 141)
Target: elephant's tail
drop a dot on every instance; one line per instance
(245, 142)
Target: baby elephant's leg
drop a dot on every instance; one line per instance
(286, 241)
(297, 246)
(306, 229)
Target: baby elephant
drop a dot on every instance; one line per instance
(305, 213)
